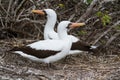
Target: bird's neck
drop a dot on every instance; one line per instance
(62, 34)
(50, 24)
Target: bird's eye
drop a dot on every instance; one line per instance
(68, 25)
(45, 12)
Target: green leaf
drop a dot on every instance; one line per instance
(105, 18)
(117, 27)
(89, 1)
(99, 14)
(61, 5)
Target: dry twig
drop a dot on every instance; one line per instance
(89, 10)
(112, 38)
(104, 33)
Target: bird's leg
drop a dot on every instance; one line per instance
(51, 66)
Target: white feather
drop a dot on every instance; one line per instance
(93, 47)
(75, 51)
(55, 45)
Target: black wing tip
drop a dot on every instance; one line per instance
(15, 49)
(12, 50)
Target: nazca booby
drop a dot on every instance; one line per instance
(49, 51)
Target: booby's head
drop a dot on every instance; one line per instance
(67, 25)
(47, 12)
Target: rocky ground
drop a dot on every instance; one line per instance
(83, 66)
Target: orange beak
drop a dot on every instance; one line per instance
(75, 25)
(38, 12)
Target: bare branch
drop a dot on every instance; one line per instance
(67, 11)
(20, 14)
(108, 1)
(114, 13)
(8, 10)
(71, 17)
(3, 8)
(19, 7)
(88, 11)
(9, 6)
(35, 3)
(38, 29)
(104, 33)
(27, 19)
(2, 22)
(112, 38)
